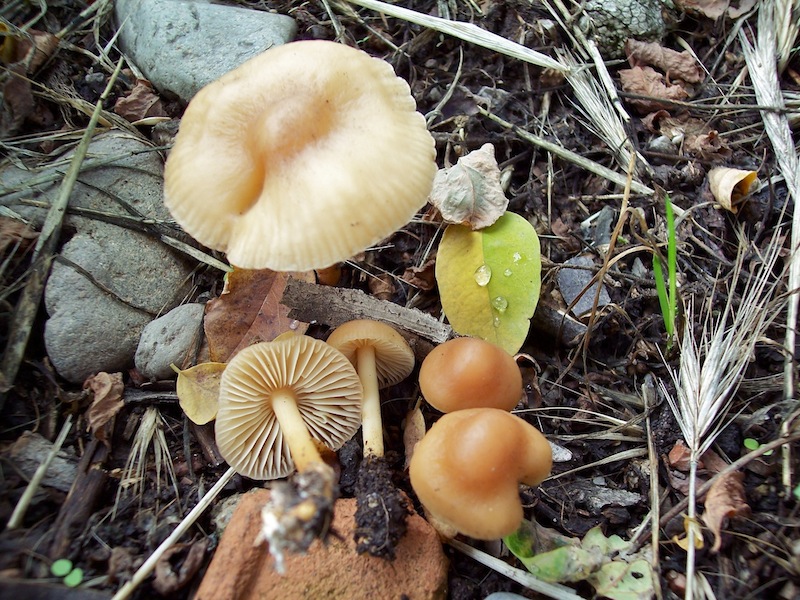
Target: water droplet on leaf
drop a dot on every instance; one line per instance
(500, 304)
(517, 257)
(507, 273)
(482, 275)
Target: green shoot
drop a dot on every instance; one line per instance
(668, 299)
(753, 444)
(63, 568)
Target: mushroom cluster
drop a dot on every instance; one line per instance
(301, 157)
(467, 468)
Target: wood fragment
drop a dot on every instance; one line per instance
(333, 306)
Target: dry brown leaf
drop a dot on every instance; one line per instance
(724, 500)
(730, 186)
(679, 456)
(694, 135)
(178, 565)
(107, 390)
(646, 81)
(382, 287)
(249, 311)
(198, 391)
(677, 65)
(469, 193)
(714, 9)
(13, 232)
(424, 277)
(141, 102)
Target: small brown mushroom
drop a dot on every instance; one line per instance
(469, 372)
(382, 358)
(301, 157)
(467, 469)
(276, 398)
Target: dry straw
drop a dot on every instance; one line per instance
(762, 60)
(711, 368)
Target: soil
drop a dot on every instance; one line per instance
(586, 396)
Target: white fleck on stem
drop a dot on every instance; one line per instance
(301, 444)
(371, 422)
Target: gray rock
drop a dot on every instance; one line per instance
(102, 291)
(30, 451)
(121, 175)
(572, 281)
(110, 281)
(181, 46)
(169, 340)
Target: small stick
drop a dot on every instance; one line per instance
(19, 510)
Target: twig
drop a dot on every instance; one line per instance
(150, 564)
(33, 485)
(570, 156)
(28, 304)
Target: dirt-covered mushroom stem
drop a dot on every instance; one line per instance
(382, 358)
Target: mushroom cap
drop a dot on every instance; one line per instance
(325, 384)
(394, 358)
(468, 372)
(301, 157)
(466, 470)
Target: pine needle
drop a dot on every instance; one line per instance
(710, 370)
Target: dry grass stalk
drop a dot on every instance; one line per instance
(710, 370)
(467, 32)
(151, 430)
(602, 118)
(762, 62)
(786, 14)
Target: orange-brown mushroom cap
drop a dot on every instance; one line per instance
(326, 388)
(301, 157)
(466, 470)
(394, 358)
(468, 372)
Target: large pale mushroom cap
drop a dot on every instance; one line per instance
(323, 381)
(301, 157)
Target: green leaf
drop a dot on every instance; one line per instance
(489, 280)
(751, 444)
(74, 579)
(61, 567)
(619, 580)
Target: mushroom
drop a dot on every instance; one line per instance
(466, 470)
(275, 399)
(301, 157)
(382, 358)
(468, 372)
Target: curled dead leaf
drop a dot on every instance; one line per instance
(107, 390)
(679, 65)
(724, 500)
(730, 186)
(198, 391)
(470, 193)
(178, 565)
(647, 82)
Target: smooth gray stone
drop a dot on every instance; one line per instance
(169, 340)
(181, 46)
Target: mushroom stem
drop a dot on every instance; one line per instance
(371, 423)
(301, 446)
